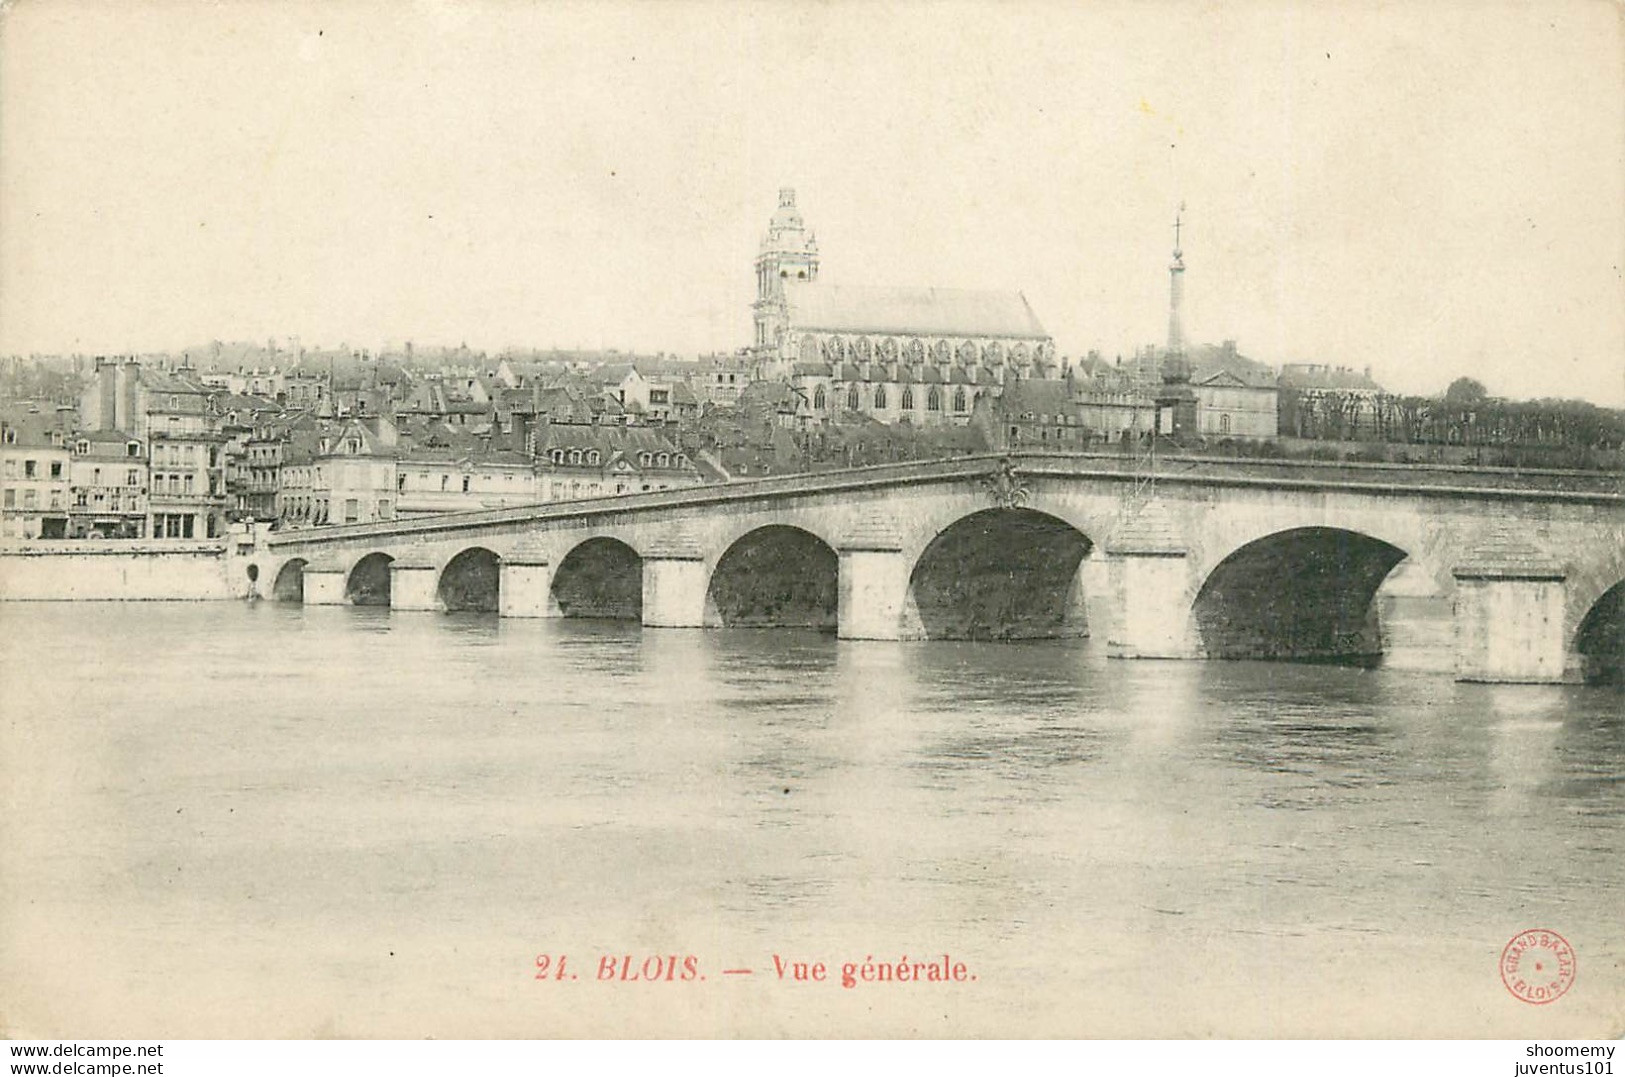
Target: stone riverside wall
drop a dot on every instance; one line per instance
(116, 571)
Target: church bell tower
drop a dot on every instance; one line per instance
(788, 252)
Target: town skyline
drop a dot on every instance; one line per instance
(364, 180)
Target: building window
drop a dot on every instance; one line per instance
(592, 456)
(908, 398)
(959, 398)
(30, 469)
(575, 456)
(852, 401)
(880, 396)
(465, 484)
(663, 460)
(1224, 424)
(933, 399)
(820, 401)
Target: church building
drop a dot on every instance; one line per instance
(910, 355)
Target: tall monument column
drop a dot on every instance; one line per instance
(1509, 613)
(1176, 292)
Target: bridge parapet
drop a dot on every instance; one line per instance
(1393, 480)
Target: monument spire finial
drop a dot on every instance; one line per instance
(1176, 289)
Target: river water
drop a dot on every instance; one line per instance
(268, 820)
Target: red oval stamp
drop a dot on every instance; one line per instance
(1538, 966)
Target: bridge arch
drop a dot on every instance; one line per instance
(471, 581)
(1600, 639)
(1304, 594)
(289, 584)
(1001, 573)
(367, 583)
(775, 576)
(599, 577)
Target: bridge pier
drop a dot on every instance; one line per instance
(873, 594)
(324, 585)
(526, 585)
(872, 591)
(413, 586)
(674, 584)
(1509, 615)
(1149, 573)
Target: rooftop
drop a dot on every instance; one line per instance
(955, 312)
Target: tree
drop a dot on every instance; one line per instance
(1465, 392)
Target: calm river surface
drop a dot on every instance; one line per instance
(234, 820)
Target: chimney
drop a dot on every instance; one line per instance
(521, 432)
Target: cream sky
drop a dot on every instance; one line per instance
(1430, 190)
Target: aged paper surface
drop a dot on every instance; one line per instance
(383, 845)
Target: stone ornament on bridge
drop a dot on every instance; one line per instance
(1005, 485)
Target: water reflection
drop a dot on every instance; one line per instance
(762, 788)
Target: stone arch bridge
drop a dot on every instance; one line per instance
(1509, 576)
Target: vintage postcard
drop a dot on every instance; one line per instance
(812, 520)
